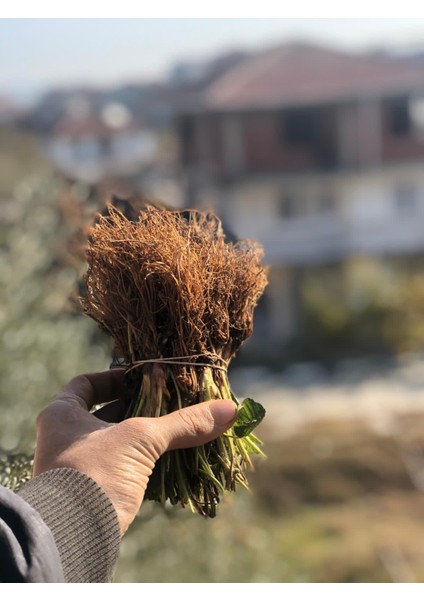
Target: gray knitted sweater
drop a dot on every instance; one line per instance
(60, 527)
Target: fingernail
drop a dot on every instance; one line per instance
(223, 411)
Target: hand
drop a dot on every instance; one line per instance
(119, 456)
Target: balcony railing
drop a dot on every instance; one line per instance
(329, 239)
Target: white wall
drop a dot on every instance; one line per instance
(87, 158)
(377, 211)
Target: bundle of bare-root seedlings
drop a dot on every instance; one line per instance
(178, 301)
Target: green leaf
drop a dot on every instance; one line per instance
(250, 414)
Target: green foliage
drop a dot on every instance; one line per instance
(15, 469)
(19, 158)
(250, 414)
(44, 343)
(363, 307)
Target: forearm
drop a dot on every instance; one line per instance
(82, 521)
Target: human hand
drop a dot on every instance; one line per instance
(119, 456)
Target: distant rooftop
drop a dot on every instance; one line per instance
(301, 73)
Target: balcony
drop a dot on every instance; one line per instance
(319, 240)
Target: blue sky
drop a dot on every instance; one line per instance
(39, 53)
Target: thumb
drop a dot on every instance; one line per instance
(196, 425)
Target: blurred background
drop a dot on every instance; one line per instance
(304, 134)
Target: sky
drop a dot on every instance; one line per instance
(36, 54)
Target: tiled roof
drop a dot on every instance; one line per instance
(296, 74)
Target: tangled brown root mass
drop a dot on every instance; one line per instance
(168, 286)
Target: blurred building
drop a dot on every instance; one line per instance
(317, 153)
(124, 136)
(93, 147)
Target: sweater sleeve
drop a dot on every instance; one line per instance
(82, 521)
(27, 548)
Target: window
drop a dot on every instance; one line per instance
(299, 127)
(186, 130)
(399, 116)
(290, 207)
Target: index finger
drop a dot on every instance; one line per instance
(90, 389)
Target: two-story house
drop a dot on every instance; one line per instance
(315, 152)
